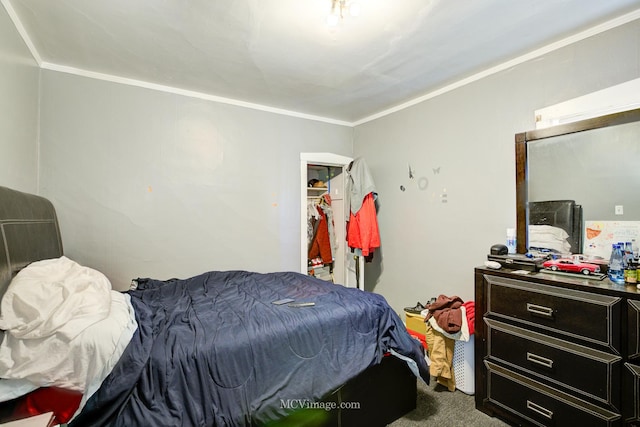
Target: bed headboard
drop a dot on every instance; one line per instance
(28, 232)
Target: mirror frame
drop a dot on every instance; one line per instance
(522, 171)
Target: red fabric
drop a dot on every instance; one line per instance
(321, 245)
(420, 337)
(362, 228)
(63, 403)
(470, 308)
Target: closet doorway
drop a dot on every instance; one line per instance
(329, 168)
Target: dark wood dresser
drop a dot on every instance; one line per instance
(555, 350)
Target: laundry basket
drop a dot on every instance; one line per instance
(463, 365)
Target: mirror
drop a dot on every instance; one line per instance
(594, 162)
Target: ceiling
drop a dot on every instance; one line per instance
(280, 55)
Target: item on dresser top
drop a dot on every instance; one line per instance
(499, 249)
(517, 262)
(593, 276)
(492, 264)
(511, 240)
(616, 268)
(571, 265)
(630, 273)
(628, 253)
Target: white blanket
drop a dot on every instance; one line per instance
(54, 296)
(62, 324)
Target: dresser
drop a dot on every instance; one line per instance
(556, 350)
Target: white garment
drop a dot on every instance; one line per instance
(461, 335)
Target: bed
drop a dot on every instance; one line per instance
(208, 350)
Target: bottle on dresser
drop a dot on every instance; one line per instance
(616, 265)
(631, 273)
(511, 240)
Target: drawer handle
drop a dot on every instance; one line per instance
(542, 361)
(539, 410)
(539, 310)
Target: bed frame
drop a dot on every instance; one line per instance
(30, 232)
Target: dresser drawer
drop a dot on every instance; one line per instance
(578, 368)
(587, 316)
(633, 337)
(631, 397)
(540, 404)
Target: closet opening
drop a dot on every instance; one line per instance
(323, 247)
(322, 235)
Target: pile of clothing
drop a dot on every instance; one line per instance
(447, 319)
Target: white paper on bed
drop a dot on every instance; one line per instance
(63, 323)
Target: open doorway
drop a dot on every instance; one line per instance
(329, 172)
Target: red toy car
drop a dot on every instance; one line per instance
(571, 265)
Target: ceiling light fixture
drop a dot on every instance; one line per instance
(339, 8)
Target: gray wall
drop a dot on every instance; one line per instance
(151, 184)
(155, 184)
(463, 142)
(18, 110)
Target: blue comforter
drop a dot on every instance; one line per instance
(213, 350)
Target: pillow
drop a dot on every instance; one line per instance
(548, 231)
(54, 296)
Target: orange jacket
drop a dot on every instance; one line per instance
(321, 245)
(362, 228)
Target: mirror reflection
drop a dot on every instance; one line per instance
(590, 171)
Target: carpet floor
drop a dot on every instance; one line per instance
(438, 406)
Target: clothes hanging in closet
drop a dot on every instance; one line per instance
(320, 222)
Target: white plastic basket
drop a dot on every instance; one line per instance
(463, 365)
